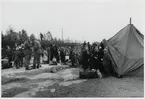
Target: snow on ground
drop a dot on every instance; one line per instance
(65, 82)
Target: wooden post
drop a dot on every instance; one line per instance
(130, 20)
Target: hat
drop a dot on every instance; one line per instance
(32, 37)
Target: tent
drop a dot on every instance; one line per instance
(126, 50)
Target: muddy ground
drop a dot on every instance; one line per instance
(65, 82)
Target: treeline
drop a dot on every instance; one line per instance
(11, 37)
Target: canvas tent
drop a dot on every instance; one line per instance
(126, 50)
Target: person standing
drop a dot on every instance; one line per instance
(72, 57)
(62, 55)
(96, 60)
(94, 63)
(27, 53)
(37, 51)
(48, 54)
(56, 53)
(21, 55)
(17, 57)
(85, 58)
(45, 56)
(9, 55)
(51, 52)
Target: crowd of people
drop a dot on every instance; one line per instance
(21, 55)
(92, 56)
(96, 58)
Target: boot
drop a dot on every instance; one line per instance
(17, 67)
(34, 66)
(27, 68)
(38, 66)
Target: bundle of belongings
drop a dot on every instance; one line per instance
(5, 63)
(53, 62)
(92, 61)
(90, 74)
(45, 57)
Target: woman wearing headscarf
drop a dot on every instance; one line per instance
(85, 56)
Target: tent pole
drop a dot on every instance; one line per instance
(130, 20)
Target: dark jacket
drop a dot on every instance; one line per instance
(85, 59)
(107, 64)
(17, 54)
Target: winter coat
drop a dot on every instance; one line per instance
(27, 48)
(37, 47)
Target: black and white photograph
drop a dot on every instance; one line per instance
(72, 48)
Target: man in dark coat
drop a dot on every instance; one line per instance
(51, 52)
(72, 57)
(48, 54)
(96, 60)
(17, 55)
(9, 55)
(56, 54)
(62, 55)
(85, 57)
(21, 55)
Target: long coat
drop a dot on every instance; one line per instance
(85, 59)
(27, 48)
(107, 64)
(37, 47)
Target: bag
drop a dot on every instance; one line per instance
(44, 58)
(88, 75)
(54, 59)
(99, 74)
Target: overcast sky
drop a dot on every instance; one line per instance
(82, 19)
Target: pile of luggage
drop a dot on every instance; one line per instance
(89, 74)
